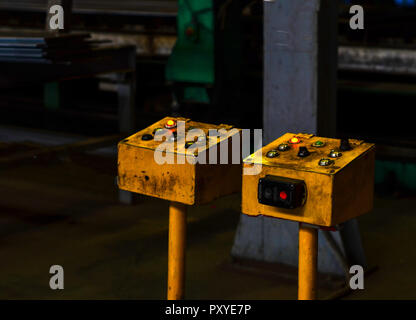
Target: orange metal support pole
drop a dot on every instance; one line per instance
(308, 258)
(177, 247)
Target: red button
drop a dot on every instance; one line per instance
(283, 195)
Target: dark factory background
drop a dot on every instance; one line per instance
(59, 126)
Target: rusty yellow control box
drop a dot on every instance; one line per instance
(310, 179)
(179, 160)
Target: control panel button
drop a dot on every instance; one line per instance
(325, 162)
(303, 152)
(295, 140)
(272, 154)
(283, 147)
(345, 145)
(170, 124)
(281, 192)
(147, 137)
(318, 144)
(158, 131)
(335, 154)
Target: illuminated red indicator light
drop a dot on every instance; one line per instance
(283, 195)
(190, 31)
(294, 140)
(170, 124)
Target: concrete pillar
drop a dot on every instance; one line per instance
(300, 75)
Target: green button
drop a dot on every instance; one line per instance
(318, 144)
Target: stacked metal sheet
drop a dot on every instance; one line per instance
(124, 7)
(44, 46)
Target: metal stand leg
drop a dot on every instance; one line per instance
(308, 258)
(177, 245)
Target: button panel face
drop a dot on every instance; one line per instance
(308, 152)
(181, 135)
(303, 151)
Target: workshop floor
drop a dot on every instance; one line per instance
(66, 212)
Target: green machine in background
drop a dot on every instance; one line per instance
(191, 64)
(208, 32)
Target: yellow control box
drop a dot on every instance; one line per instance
(191, 173)
(310, 179)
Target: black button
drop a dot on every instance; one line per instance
(303, 152)
(147, 137)
(345, 145)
